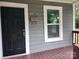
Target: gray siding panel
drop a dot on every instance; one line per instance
(37, 31)
(36, 28)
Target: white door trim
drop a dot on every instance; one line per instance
(18, 5)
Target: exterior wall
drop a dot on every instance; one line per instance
(37, 41)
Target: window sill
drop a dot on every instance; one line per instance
(53, 39)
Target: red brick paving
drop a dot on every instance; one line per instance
(60, 53)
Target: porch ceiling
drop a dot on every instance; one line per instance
(63, 1)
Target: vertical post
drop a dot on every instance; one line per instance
(77, 38)
(72, 38)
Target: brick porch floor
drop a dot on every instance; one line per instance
(60, 53)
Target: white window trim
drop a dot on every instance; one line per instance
(18, 5)
(76, 3)
(45, 24)
(73, 16)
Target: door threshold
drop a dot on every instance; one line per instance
(14, 55)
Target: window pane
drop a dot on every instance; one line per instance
(53, 16)
(53, 31)
(76, 17)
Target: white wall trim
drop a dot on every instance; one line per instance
(75, 1)
(73, 16)
(45, 24)
(18, 5)
(1, 49)
(60, 1)
(11, 4)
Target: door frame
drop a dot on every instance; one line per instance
(16, 5)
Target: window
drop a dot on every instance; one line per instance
(53, 23)
(76, 16)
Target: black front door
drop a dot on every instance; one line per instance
(13, 29)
